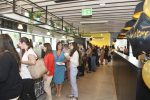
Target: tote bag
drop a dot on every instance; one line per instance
(38, 70)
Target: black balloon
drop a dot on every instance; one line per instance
(139, 36)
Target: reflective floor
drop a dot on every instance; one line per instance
(97, 85)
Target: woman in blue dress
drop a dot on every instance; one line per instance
(59, 72)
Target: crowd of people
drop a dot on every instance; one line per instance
(74, 59)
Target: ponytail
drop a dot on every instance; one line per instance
(30, 43)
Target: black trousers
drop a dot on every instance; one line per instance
(81, 70)
(28, 90)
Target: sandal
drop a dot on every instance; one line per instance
(70, 96)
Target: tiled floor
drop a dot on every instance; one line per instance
(97, 85)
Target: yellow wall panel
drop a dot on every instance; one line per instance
(104, 40)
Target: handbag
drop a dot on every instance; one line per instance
(38, 70)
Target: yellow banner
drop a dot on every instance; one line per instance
(100, 39)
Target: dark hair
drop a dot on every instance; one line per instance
(75, 47)
(27, 41)
(57, 45)
(6, 43)
(48, 48)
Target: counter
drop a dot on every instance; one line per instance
(128, 78)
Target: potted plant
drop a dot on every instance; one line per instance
(37, 15)
(66, 29)
(52, 23)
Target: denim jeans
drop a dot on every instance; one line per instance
(73, 77)
(93, 62)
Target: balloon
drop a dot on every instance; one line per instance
(146, 73)
(146, 8)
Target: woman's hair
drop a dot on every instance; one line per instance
(75, 47)
(57, 45)
(27, 41)
(48, 48)
(6, 43)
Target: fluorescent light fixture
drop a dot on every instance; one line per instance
(20, 26)
(93, 22)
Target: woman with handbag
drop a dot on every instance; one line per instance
(10, 80)
(49, 63)
(29, 58)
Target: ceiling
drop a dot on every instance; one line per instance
(110, 17)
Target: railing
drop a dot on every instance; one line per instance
(40, 16)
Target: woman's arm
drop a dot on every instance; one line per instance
(31, 61)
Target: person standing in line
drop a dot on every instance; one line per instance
(102, 52)
(89, 55)
(59, 72)
(29, 58)
(93, 59)
(10, 79)
(49, 63)
(66, 53)
(74, 63)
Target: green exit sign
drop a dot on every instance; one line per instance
(87, 12)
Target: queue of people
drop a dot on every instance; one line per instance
(16, 80)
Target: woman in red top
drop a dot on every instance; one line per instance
(49, 63)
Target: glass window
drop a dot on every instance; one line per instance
(14, 35)
(38, 39)
(47, 40)
(26, 35)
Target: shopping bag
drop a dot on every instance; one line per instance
(38, 70)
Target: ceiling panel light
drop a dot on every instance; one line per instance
(93, 22)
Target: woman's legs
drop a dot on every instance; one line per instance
(93, 63)
(56, 89)
(73, 75)
(59, 89)
(47, 87)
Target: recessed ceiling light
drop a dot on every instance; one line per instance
(63, 37)
(48, 33)
(20, 26)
